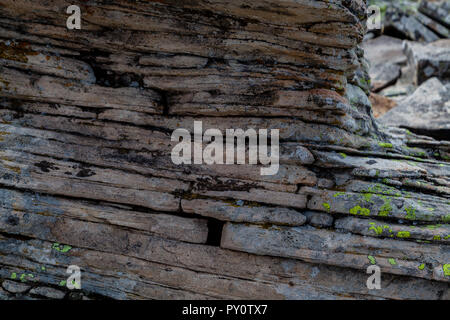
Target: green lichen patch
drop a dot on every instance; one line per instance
(403, 234)
(410, 213)
(433, 226)
(372, 259)
(385, 145)
(446, 269)
(392, 261)
(61, 248)
(368, 197)
(386, 208)
(13, 275)
(25, 276)
(326, 206)
(358, 210)
(338, 194)
(377, 229)
(422, 266)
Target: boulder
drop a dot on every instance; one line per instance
(426, 111)
(430, 60)
(384, 49)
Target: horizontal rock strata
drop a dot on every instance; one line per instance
(86, 176)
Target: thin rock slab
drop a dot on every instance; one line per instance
(15, 287)
(352, 251)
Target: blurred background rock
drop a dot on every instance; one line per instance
(409, 65)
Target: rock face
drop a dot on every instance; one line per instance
(86, 176)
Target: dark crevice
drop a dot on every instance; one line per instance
(164, 100)
(215, 228)
(19, 237)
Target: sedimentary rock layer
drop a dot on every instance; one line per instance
(86, 176)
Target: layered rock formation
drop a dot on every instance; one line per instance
(87, 179)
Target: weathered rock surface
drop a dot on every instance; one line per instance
(15, 287)
(86, 176)
(426, 111)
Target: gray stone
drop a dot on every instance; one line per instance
(318, 219)
(384, 75)
(15, 287)
(238, 211)
(47, 292)
(385, 55)
(384, 49)
(404, 86)
(432, 60)
(427, 109)
(357, 98)
(325, 183)
(96, 158)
